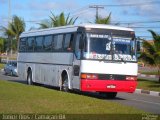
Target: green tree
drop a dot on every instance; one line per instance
(106, 20)
(15, 28)
(13, 31)
(151, 53)
(59, 20)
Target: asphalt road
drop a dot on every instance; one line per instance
(143, 102)
(5, 77)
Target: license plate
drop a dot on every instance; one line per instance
(111, 86)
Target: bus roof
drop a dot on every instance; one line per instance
(71, 28)
(103, 26)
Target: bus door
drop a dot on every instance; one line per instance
(76, 63)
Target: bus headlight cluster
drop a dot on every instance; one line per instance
(89, 76)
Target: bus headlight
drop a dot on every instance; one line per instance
(89, 76)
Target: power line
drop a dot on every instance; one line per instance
(115, 5)
(78, 10)
(135, 22)
(120, 22)
(145, 27)
(81, 12)
(130, 5)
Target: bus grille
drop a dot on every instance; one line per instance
(111, 77)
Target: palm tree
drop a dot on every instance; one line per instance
(106, 20)
(45, 24)
(8, 31)
(151, 53)
(15, 28)
(59, 20)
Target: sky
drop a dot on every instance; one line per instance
(141, 15)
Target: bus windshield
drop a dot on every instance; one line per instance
(106, 47)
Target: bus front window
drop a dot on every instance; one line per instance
(98, 47)
(124, 49)
(105, 47)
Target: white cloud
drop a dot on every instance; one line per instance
(41, 6)
(142, 8)
(52, 5)
(40, 10)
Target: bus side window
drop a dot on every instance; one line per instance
(30, 44)
(47, 43)
(22, 45)
(58, 40)
(68, 42)
(39, 44)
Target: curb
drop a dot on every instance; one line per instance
(151, 76)
(152, 93)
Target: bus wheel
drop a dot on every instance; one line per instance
(29, 78)
(65, 84)
(110, 95)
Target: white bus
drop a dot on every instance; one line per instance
(87, 57)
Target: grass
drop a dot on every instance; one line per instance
(148, 85)
(21, 98)
(2, 65)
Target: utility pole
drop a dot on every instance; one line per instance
(9, 20)
(96, 7)
(9, 10)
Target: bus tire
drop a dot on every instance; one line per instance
(110, 95)
(29, 78)
(65, 84)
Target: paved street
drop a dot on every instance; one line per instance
(141, 101)
(144, 102)
(5, 77)
(10, 78)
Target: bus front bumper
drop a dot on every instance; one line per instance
(108, 85)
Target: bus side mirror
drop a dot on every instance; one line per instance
(81, 43)
(138, 46)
